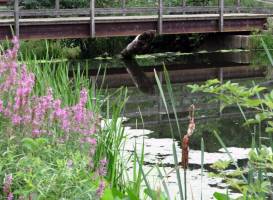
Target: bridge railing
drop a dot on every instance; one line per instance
(159, 10)
(128, 11)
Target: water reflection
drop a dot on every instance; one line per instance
(231, 131)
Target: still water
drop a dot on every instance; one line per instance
(156, 133)
(147, 124)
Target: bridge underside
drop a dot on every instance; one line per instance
(79, 27)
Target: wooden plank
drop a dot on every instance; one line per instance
(92, 18)
(160, 17)
(16, 18)
(221, 15)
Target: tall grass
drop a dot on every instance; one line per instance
(170, 94)
(67, 84)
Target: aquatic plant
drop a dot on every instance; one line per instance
(186, 139)
(257, 183)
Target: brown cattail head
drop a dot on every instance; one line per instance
(186, 139)
(185, 151)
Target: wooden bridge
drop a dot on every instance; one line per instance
(108, 22)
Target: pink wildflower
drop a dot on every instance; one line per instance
(7, 184)
(101, 188)
(16, 120)
(1, 106)
(10, 196)
(91, 141)
(102, 168)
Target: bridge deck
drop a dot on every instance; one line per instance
(107, 26)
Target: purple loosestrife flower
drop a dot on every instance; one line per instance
(91, 141)
(10, 196)
(101, 188)
(1, 106)
(102, 168)
(37, 115)
(7, 184)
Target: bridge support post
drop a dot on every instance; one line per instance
(184, 6)
(57, 7)
(16, 17)
(221, 15)
(238, 4)
(92, 18)
(160, 17)
(123, 5)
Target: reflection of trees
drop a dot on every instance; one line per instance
(230, 130)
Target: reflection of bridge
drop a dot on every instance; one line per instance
(108, 22)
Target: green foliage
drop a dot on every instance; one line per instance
(35, 4)
(220, 196)
(259, 56)
(231, 93)
(221, 164)
(41, 170)
(46, 168)
(260, 157)
(48, 49)
(102, 46)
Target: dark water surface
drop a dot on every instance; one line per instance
(147, 119)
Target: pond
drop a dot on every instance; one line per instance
(147, 124)
(155, 132)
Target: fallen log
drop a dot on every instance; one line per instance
(140, 45)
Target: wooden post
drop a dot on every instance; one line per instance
(123, 7)
(16, 18)
(184, 6)
(92, 18)
(238, 5)
(57, 7)
(221, 15)
(160, 17)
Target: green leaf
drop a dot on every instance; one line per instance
(269, 130)
(221, 164)
(29, 144)
(158, 195)
(132, 195)
(213, 82)
(107, 195)
(220, 196)
(251, 121)
(41, 141)
(253, 102)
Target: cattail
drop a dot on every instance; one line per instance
(186, 139)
